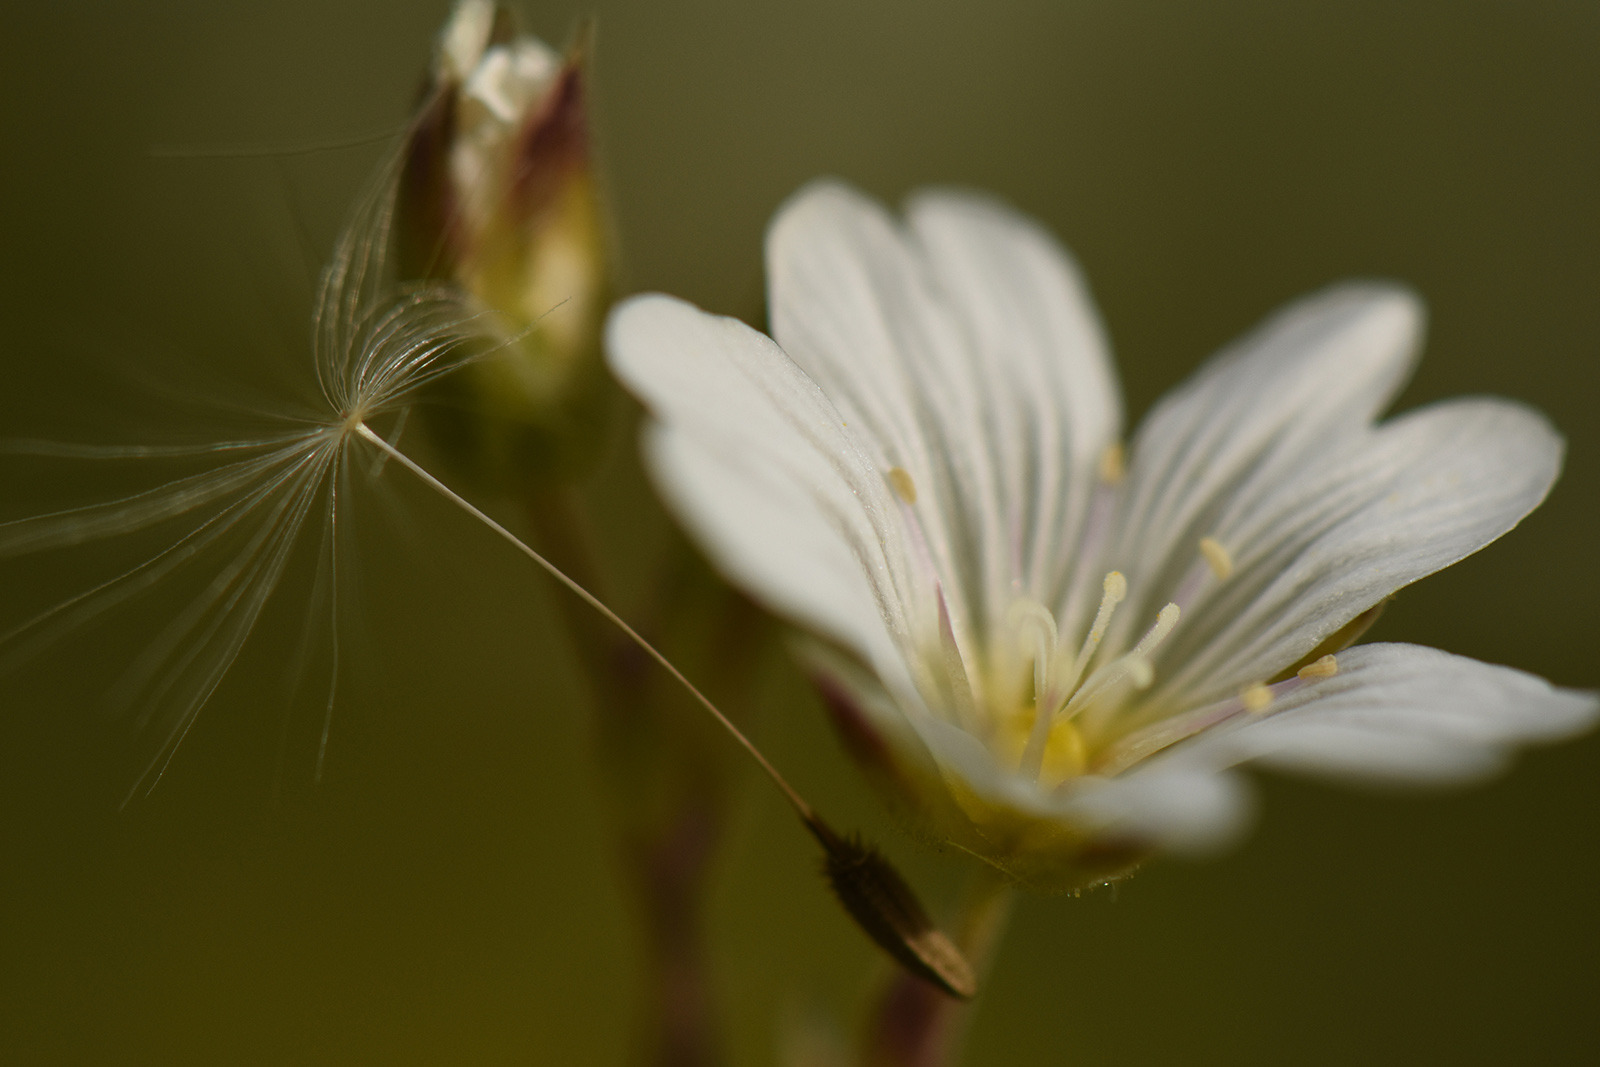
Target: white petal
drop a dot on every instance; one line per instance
(1301, 386)
(967, 763)
(760, 466)
(1051, 403)
(857, 312)
(1174, 804)
(1405, 713)
(966, 350)
(1413, 496)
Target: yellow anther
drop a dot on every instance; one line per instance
(1256, 699)
(1326, 667)
(1115, 588)
(1112, 464)
(1217, 558)
(904, 487)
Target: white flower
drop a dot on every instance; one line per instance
(1053, 663)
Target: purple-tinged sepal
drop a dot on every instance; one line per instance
(497, 194)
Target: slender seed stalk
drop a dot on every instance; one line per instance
(864, 882)
(798, 802)
(666, 842)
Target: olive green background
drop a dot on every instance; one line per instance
(446, 895)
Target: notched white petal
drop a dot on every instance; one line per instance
(1253, 419)
(1415, 495)
(1404, 713)
(1051, 407)
(762, 467)
(1028, 310)
(963, 343)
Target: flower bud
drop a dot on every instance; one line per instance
(497, 196)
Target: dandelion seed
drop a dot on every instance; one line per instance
(376, 344)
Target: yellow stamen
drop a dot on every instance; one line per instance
(904, 487)
(1217, 558)
(1112, 465)
(1114, 590)
(1256, 699)
(1166, 619)
(1326, 667)
(1135, 666)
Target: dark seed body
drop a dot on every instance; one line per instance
(884, 906)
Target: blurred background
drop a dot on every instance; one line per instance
(174, 174)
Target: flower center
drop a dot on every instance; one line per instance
(1054, 748)
(1073, 722)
